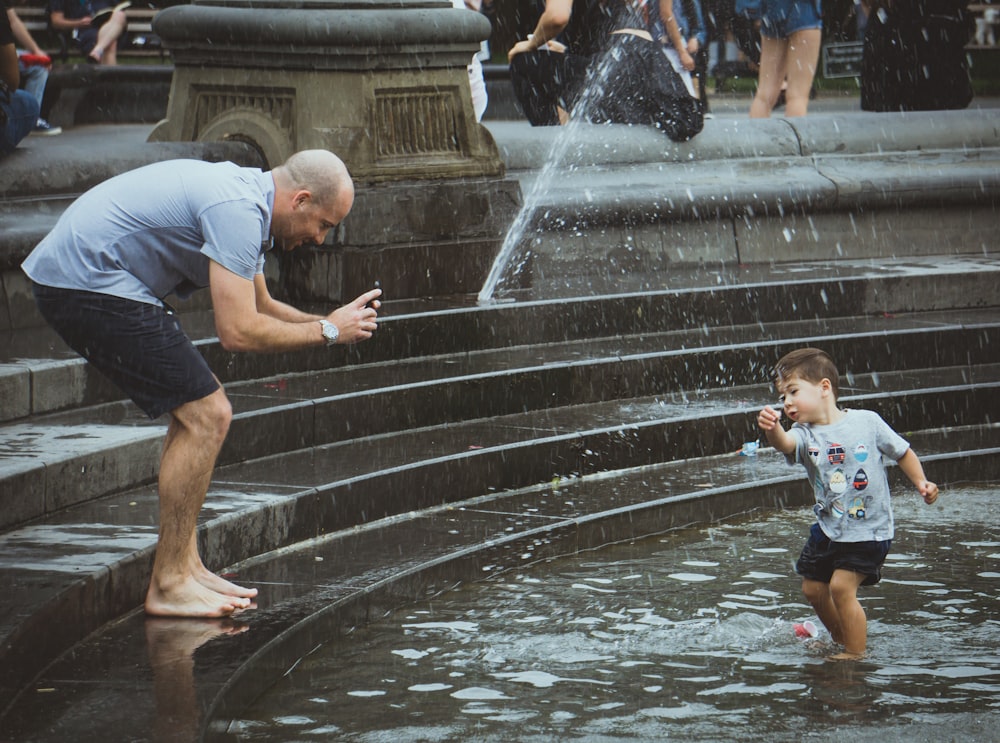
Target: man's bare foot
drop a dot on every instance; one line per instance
(220, 585)
(845, 656)
(191, 599)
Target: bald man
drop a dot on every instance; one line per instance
(100, 279)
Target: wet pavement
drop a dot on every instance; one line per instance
(685, 634)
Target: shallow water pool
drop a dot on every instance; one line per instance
(686, 635)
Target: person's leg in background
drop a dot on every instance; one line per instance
(18, 117)
(34, 79)
(800, 69)
(773, 53)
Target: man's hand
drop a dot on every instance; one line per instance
(357, 320)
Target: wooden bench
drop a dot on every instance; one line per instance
(138, 40)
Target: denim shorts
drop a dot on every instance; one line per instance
(138, 346)
(821, 556)
(781, 18)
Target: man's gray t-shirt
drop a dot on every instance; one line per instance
(845, 466)
(150, 232)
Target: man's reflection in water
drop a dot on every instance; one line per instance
(170, 643)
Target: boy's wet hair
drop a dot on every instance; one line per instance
(810, 364)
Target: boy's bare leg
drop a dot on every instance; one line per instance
(853, 622)
(819, 596)
(194, 439)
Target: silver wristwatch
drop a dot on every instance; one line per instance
(330, 332)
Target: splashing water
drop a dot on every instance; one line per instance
(555, 161)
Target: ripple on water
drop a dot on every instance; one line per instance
(685, 636)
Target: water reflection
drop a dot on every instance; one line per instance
(686, 635)
(170, 645)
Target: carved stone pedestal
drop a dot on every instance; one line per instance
(382, 83)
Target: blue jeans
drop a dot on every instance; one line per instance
(22, 116)
(33, 79)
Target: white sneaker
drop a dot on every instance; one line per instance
(45, 129)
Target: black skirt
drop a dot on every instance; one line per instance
(633, 82)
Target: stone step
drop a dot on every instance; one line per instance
(61, 459)
(38, 375)
(90, 562)
(329, 585)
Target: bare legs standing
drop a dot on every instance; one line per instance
(181, 585)
(794, 59)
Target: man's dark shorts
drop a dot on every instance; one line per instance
(138, 346)
(821, 556)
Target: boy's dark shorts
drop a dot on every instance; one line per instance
(138, 346)
(821, 556)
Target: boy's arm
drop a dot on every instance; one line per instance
(770, 423)
(911, 467)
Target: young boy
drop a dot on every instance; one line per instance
(842, 452)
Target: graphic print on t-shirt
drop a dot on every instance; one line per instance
(838, 481)
(860, 480)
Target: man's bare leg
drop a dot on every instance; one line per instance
(194, 439)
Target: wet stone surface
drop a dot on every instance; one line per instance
(687, 635)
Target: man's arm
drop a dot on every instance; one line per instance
(268, 305)
(246, 320)
(21, 34)
(554, 19)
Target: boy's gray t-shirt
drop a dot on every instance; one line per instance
(844, 462)
(150, 232)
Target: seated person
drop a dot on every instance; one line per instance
(547, 68)
(609, 71)
(18, 108)
(98, 41)
(34, 65)
(636, 80)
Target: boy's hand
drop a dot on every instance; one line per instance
(768, 418)
(929, 491)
